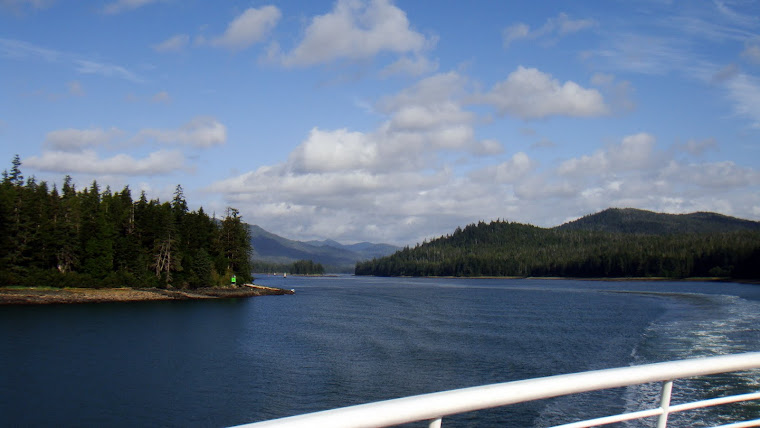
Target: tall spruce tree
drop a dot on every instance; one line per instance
(235, 246)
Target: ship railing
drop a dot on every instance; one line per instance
(434, 407)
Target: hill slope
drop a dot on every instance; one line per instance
(631, 220)
(614, 243)
(271, 248)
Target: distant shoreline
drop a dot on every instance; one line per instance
(49, 295)
(604, 279)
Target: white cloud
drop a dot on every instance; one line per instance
(585, 164)
(105, 69)
(560, 26)
(356, 30)
(515, 32)
(712, 175)
(424, 171)
(618, 93)
(346, 199)
(405, 65)
(635, 152)
(69, 140)
(20, 50)
(173, 44)
(644, 53)
(531, 94)
(338, 150)
(202, 131)
(248, 28)
(125, 5)
(510, 171)
(744, 91)
(698, 147)
(87, 161)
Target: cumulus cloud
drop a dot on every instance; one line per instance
(559, 26)
(72, 140)
(173, 44)
(423, 170)
(357, 30)
(617, 92)
(337, 150)
(347, 200)
(251, 27)
(414, 66)
(202, 131)
(698, 147)
(635, 152)
(89, 162)
(712, 175)
(510, 171)
(515, 32)
(531, 94)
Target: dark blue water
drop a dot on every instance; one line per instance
(342, 341)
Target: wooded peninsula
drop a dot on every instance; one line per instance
(105, 239)
(615, 243)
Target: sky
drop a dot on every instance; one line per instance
(390, 121)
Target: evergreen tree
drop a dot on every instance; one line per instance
(235, 246)
(16, 178)
(94, 238)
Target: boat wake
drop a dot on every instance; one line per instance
(694, 325)
(700, 325)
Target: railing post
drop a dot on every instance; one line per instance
(667, 388)
(435, 423)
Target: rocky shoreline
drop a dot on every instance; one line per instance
(42, 296)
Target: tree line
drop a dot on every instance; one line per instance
(502, 248)
(299, 267)
(101, 238)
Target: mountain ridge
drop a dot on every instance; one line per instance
(336, 257)
(638, 221)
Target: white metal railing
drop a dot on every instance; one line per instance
(433, 407)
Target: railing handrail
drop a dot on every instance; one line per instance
(437, 405)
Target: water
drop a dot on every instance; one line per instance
(346, 340)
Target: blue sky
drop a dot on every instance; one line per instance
(390, 121)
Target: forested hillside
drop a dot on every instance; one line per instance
(630, 220)
(101, 238)
(510, 249)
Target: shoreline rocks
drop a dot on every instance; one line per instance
(42, 296)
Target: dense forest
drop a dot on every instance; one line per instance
(502, 248)
(299, 267)
(101, 238)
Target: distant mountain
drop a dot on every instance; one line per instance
(631, 220)
(336, 257)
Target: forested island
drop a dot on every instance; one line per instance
(614, 243)
(100, 238)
